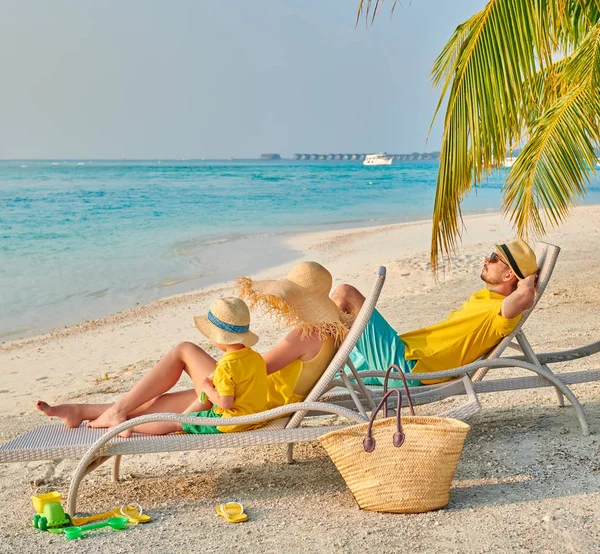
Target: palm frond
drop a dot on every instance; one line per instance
(553, 170)
(495, 72)
(518, 70)
(365, 8)
(482, 67)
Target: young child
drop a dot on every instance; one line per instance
(238, 385)
(234, 386)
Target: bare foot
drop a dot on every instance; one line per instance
(110, 418)
(127, 433)
(70, 414)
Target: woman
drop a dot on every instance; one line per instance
(294, 365)
(301, 301)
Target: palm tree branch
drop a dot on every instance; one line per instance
(552, 171)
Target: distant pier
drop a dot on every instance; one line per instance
(361, 157)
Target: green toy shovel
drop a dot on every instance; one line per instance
(114, 523)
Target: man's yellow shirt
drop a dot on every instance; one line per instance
(464, 336)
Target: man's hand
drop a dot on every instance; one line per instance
(521, 299)
(529, 282)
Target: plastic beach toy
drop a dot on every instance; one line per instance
(41, 500)
(133, 513)
(114, 523)
(79, 521)
(233, 512)
(50, 513)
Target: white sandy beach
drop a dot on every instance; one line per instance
(527, 479)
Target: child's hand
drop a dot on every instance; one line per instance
(207, 384)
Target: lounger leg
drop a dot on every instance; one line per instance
(96, 463)
(471, 407)
(115, 469)
(361, 385)
(290, 453)
(352, 392)
(80, 473)
(531, 357)
(566, 391)
(560, 398)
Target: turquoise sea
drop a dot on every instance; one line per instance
(82, 239)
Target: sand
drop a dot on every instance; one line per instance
(527, 479)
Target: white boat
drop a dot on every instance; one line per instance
(377, 159)
(509, 161)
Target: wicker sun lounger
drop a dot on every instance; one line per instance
(469, 379)
(95, 446)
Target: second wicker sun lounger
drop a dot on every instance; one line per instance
(470, 380)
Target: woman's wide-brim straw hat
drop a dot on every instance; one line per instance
(227, 322)
(301, 299)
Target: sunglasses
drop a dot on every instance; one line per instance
(493, 257)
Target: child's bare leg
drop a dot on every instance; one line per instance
(154, 428)
(177, 402)
(164, 375)
(72, 414)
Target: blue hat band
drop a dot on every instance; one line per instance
(239, 329)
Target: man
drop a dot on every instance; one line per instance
(510, 275)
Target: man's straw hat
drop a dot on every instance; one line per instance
(301, 299)
(227, 322)
(519, 257)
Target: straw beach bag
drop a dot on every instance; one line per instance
(398, 466)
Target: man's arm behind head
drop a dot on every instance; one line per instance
(521, 299)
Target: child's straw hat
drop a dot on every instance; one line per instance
(301, 299)
(227, 322)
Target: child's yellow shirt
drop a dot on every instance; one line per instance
(243, 375)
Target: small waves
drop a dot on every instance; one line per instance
(107, 234)
(187, 247)
(173, 281)
(97, 293)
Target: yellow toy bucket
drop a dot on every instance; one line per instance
(40, 500)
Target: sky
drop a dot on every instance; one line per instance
(157, 79)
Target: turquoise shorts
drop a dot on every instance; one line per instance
(201, 429)
(378, 348)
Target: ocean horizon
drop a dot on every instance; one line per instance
(81, 239)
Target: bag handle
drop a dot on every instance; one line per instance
(398, 439)
(385, 384)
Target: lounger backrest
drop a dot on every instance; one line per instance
(341, 356)
(546, 255)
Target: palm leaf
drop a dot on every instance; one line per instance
(502, 85)
(365, 7)
(553, 170)
(495, 72)
(482, 67)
